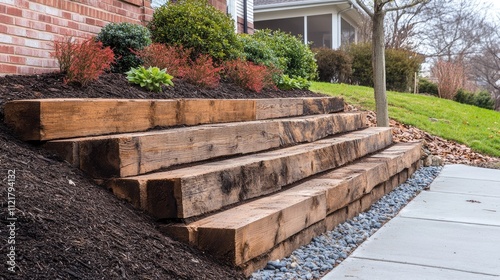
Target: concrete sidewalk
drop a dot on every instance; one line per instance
(451, 231)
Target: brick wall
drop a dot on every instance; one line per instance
(28, 28)
(219, 4)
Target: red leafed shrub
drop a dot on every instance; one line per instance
(202, 72)
(249, 75)
(173, 58)
(84, 61)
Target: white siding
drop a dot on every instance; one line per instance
(249, 9)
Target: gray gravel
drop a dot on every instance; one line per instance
(324, 252)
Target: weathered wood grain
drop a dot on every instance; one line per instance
(132, 154)
(208, 187)
(41, 119)
(260, 227)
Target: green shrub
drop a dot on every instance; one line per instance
(296, 58)
(333, 65)
(196, 25)
(362, 72)
(480, 99)
(152, 78)
(400, 65)
(258, 52)
(287, 83)
(426, 86)
(123, 38)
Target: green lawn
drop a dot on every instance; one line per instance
(475, 127)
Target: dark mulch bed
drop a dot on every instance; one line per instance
(116, 86)
(69, 228)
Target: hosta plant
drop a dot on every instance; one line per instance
(151, 78)
(287, 83)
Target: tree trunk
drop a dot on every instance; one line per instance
(379, 68)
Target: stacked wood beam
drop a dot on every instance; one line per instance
(246, 180)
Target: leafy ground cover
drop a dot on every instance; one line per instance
(473, 126)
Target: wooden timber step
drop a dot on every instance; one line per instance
(193, 191)
(252, 230)
(43, 119)
(130, 154)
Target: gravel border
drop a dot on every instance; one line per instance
(326, 251)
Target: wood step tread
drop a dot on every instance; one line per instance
(40, 119)
(207, 187)
(129, 154)
(249, 230)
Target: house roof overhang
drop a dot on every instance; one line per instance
(269, 6)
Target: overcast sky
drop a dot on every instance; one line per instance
(495, 11)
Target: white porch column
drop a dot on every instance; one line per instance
(335, 43)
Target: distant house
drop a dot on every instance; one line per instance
(325, 23)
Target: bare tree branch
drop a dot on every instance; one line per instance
(365, 8)
(406, 6)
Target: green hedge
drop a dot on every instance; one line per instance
(122, 38)
(197, 25)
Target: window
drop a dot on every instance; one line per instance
(319, 31)
(347, 33)
(295, 26)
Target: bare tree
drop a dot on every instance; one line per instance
(486, 64)
(377, 14)
(455, 28)
(450, 77)
(403, 26)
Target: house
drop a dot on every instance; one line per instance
(241, 11)
(325, 23)
(29, 27)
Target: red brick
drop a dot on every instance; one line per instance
(14, 11)
(17, 60)
(90, 21)
(4, 49)
(8, 69)
(7, 20)
(66, 15)
(3, 9)
(22, 4)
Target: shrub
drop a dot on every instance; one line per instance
(202, 72)
(480, 99)
(64, 50)
(197, 25)
(400, 64)
(174, 59)
(333, 65)
(84, 61)
(249, 75)
(297, 58)
(287, 83)
(258, 52)
(123, 38)
(152, 78)
(426, 86)
(362, 72)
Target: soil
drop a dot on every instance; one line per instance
(69, 228)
